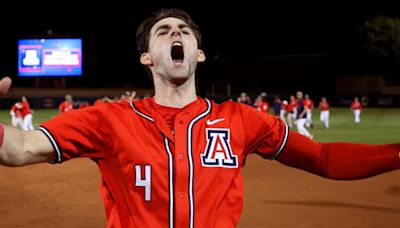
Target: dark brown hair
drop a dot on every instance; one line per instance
(143, 31)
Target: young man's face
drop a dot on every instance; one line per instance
(173, 52)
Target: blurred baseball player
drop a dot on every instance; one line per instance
(16, 115)
(66, 105)
(26, 115)
(324, 112)
(309, 106)
(293, 102)
(175, 159)
(301, 118)
(289, 113)
(261, 104)
(356, 109)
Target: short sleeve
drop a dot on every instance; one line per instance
(264, 134)
(79, 133)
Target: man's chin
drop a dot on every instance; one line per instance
(178, 80)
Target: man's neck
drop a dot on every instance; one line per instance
(172, 95)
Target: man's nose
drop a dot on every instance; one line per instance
(176, 32)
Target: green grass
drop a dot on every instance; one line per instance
(39, 116)
(378, 125)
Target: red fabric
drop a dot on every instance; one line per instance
(65, 106)
(324, 106)
(16, 110)
(356, 105)
(289, 108)
(341, 161)
(167, 113)
(98, 101)
(294, 103)
(308, 103)
(26, 110)
(124, 137)
(262, 106)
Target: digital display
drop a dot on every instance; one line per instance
(50, 57)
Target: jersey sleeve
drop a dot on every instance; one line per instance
(264, 134)
(339, 160)
(79, 133)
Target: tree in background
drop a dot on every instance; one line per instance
(382, 37)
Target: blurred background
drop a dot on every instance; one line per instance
(333, 50)
(330, 49)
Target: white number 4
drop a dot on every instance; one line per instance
(145, 182)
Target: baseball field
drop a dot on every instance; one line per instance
(67, 195)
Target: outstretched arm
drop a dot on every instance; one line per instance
(340, 161)
(19, 148)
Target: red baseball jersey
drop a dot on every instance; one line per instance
(26, 109)
(294, 103)
(323, 106)
(288, 108)
(16, 111)
(155, 177)
(65, 106)
(308, 103)
(262, 106)
(356, 105)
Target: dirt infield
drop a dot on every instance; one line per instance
(67, 195)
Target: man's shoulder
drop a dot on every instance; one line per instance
(225, 103)
(230, 105)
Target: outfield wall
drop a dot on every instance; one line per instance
(51, 98)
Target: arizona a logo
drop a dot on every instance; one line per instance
(218, 152)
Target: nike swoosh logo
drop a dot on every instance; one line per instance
(209, 122)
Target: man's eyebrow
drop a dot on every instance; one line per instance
(183, 26)
(167, 26)
(164, 26)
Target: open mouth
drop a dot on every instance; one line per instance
(177, 54)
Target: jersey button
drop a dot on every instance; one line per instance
(180, 122)
(180, 156)
(180, 194)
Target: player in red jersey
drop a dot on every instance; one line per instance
(289, 113)
(261, 104)
(356, 109)
(309, 106)
(16, 115)
(301, 118)
(324, 112)
(26, 115)
(83, 104)
(244, 99)
(175, 159)
(66, 105)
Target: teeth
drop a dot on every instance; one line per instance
(176, 44)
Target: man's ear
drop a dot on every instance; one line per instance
(145, 58)
(201, 57)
